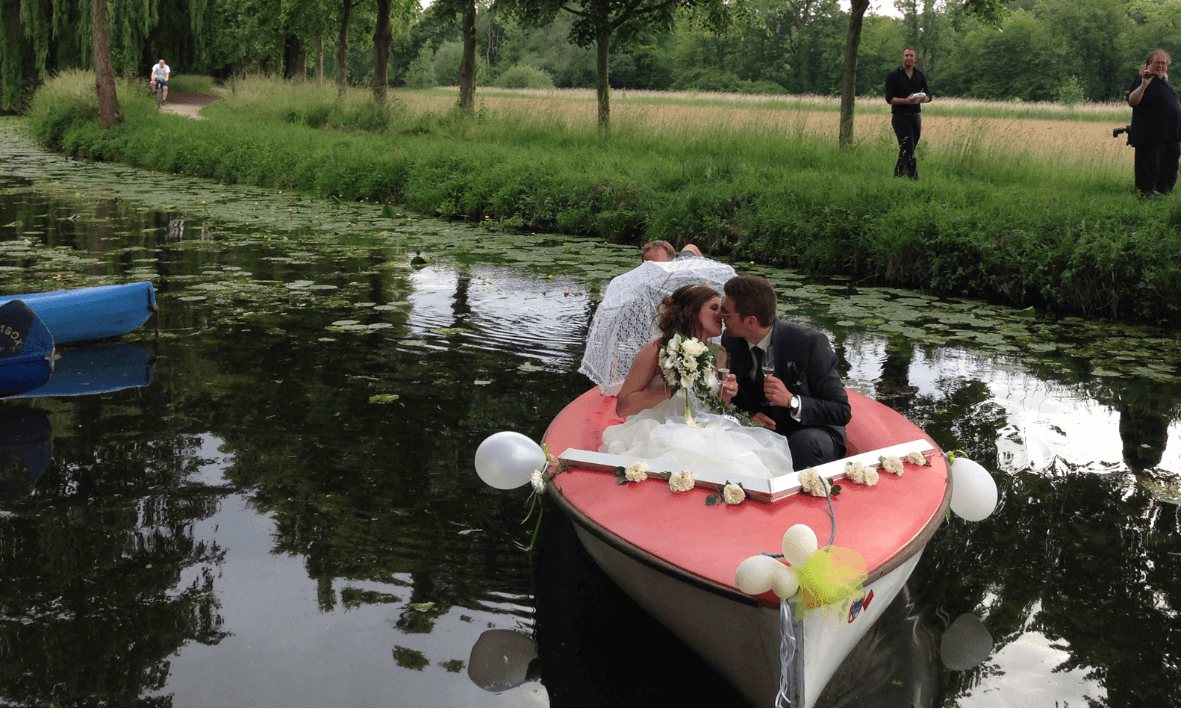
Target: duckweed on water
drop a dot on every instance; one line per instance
(302, 232)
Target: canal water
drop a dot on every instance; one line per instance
(280, 508)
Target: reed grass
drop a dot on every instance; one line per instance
(993, 216)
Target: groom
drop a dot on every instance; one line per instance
(808, 401)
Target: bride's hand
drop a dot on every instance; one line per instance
(729, 388)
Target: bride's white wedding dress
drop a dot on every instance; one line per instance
(661, 436)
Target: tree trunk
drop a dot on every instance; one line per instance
(604, 88)
(849, 75)
(467, 67)
(319, 57)
(295, 58)
(342, 52)
(108, 101)
(383, 37)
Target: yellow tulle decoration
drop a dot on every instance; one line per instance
(831, 577)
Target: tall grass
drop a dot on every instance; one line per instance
(991, 217)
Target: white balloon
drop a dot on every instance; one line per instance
(507, 459)
(799, 542)
(785, 583)
(753, 575)
(973, 491)
(966, 643)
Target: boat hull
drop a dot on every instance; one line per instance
(741, 640)
(84, 314)
(97, 369)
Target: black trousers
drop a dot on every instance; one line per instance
(909, 128)
(812, 445)
(1156, 167)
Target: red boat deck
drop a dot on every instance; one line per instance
(886, 523)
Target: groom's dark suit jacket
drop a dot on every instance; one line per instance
(822, 395)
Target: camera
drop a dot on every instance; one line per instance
(1117, 132)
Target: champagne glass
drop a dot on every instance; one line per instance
(722, 367)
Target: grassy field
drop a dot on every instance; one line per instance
(1025, 209)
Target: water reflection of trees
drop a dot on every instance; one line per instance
(1089, 561)
(381, 493)
(93, 602)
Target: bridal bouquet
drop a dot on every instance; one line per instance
(687, 363)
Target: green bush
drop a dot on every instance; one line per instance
(421, 72)
(520, 76)
(447, 63)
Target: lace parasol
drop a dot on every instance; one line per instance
(626, 317)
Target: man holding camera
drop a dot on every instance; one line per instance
(906, 89)
(1155, 131)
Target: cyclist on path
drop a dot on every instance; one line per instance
(160, 73)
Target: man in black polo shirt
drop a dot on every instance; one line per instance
(906, 88)
(1155, 132)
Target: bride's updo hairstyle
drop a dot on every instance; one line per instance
(678, 312)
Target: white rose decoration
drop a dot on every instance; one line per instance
(858, 473)
(694, 348)
(733, 494)
(681, 482)
(811, 483)
(893, 464)
(537, 480)
(916, 458)
(636, 472)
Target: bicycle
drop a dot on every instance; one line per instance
(159, 94)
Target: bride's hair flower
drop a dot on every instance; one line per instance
(681, 482)
(733, 494)
(812, 483)
(857, 473)
(892, 464)
(636, 472)
(916, 458)
(537, 480)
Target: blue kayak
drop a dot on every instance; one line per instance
(96, 369)
(26, 349)
(85, 314)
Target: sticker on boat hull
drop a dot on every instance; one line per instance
(860, 605)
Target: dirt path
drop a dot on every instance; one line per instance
(190, 105)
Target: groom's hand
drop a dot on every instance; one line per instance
(776, 392)
(764, 420)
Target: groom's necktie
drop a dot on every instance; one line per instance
(756, 372)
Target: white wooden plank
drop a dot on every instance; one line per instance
(762, 488)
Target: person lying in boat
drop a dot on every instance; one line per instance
(661, 250)
(802, 398)
(657, 430)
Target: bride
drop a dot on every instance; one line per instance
(656, 429)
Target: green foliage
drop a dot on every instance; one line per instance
(1070, 92)
(447, 61)
(524, 77)
(995, 226)
(421, 73)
